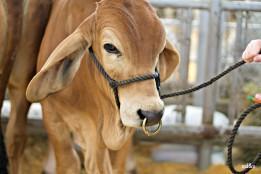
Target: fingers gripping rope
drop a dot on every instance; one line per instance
(232, 138)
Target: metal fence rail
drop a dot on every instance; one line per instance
(194, 135)
(241, 6)
(180, 4)
(203, 5)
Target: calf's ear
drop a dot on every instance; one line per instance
(62, 65)
(59, 69)
(168, 61)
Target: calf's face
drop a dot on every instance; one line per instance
(132, 42)
(129, 41)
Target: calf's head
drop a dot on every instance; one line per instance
(129, 40)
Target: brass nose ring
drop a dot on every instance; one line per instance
(151, 133)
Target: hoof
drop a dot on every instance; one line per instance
(44, 172)
(134, 171)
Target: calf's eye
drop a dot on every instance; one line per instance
(111, 48)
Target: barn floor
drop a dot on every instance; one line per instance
(37, 149)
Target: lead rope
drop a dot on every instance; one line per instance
(238, 123)
(232, 138)
(205, 84)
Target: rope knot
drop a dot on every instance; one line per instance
(113, 84)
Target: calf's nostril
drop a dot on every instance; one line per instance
(140, 113)
(152, 117)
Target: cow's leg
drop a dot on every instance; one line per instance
(97, 160)
(119, 159)
(96, 154)
(10, 38)
(50, 163)
(67, 160)
(16, 129)
(22, 72)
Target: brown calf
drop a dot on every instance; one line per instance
(129, 40)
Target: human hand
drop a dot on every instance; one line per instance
(258, 96)
(252, 51)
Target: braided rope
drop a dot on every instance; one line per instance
(232, 138)
(114, 83)
(205, 84)
(137, 79)
(99, 66)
